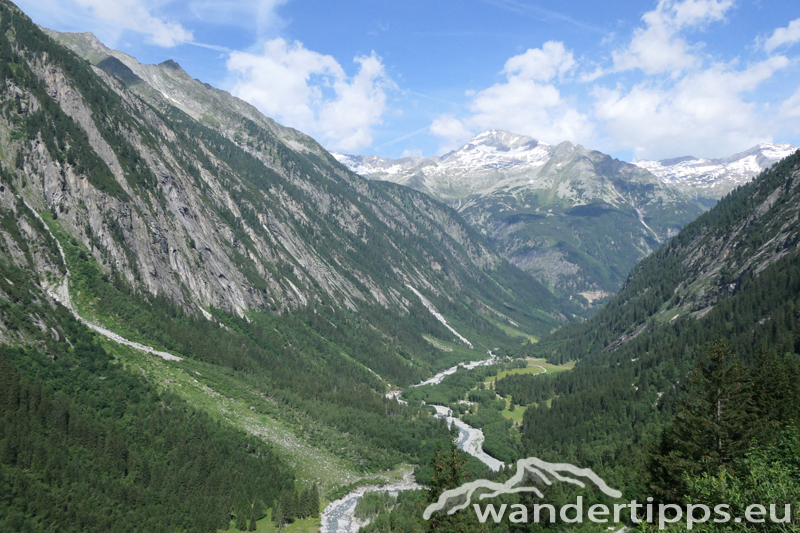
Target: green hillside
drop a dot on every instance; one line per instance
(733, 274)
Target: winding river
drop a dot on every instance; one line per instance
(339, 517)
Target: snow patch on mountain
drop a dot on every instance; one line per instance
(713, 178)
(438, 315)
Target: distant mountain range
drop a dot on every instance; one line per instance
(576, 219)
(708, 180)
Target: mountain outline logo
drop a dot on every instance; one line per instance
(532, 466)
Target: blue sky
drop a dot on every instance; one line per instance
(639, 80)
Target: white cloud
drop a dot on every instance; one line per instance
(259, 16)
(781, 36)
(588, 77)
(683, 105)
(531, 108)
(657, 47)
(411, 153)
(527, 102)
(694, 12)
(541, 64)
(311, 92)
(451, 130)
(134, 15)
(347, 121)
(702, 114)
(790, 108)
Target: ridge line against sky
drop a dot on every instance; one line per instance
(638, 80)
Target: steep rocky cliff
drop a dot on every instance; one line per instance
(180, 192)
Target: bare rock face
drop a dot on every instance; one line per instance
(153, 250)
(190, 194)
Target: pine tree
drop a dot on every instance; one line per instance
(289, 504)
(241, 522)
(253, 524)
(448, 473)
(774, 387)
(302, 504)
(715, 427)
(314, 501)
(277, 515)
(455, 467)
(438, 481)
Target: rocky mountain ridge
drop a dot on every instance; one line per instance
(167, 84)
(574, 218)
(708, 180)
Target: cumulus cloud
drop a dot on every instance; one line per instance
(311, 91)
(658, 46)
(702, 114)
(347, 120)
(525, 106)
(783, 36)
(541, 64)
(790, 108)
(683, 105)
(527, 102)
(453, 132)
(134, 15)
(411, 153)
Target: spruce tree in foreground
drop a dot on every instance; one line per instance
(314, 501)
(241, 522)
(715, 427)
(448, 473)
(277, 515)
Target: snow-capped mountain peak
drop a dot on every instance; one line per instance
(496, 149)
(547, 206)
(714, 178)
(485, 160)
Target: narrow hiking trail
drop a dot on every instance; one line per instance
(60, 292)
